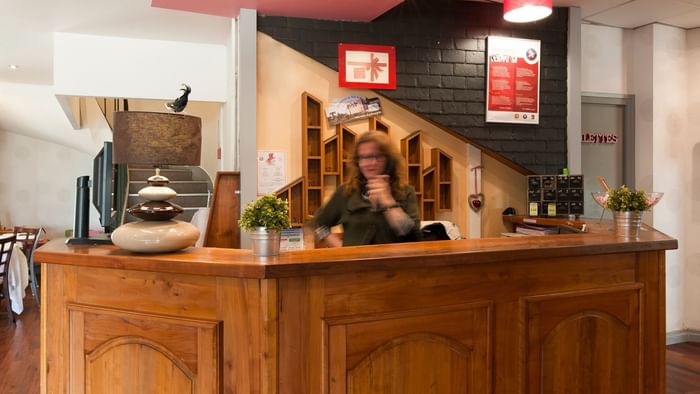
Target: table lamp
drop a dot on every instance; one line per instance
(156, 139)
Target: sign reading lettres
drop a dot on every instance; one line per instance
(512, 80)
(599, 138)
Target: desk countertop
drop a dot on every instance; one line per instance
(241, 262)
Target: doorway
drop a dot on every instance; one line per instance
(607, 146)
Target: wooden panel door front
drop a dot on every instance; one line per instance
(222, 227)
(422, 351)
(584, 342)
(115, 351)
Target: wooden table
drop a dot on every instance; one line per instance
(579, 313)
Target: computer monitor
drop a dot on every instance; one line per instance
(103, 187)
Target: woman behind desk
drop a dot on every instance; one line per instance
(374, 205)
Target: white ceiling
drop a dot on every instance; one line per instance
(635, 13)
(26, 28)
(26, 25)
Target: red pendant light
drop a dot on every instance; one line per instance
(520, 11)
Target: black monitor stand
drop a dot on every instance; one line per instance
(95, 240)
(82, 217)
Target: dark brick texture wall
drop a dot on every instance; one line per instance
(440, 55)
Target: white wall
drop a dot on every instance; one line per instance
(37, 187)
(655, 63)
(691, 188)
(671, 154)
(573, 94)
(604, 66)
(101, 66)
(35, 111)
(642, 83)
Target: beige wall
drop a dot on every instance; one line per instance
(283, 74)
(503, 187)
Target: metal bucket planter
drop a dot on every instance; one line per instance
(627, 224)
(265, 243)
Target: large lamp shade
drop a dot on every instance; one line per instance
(521, 11)
(156, 138)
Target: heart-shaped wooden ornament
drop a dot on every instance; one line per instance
(476, 201)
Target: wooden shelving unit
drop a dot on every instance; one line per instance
(376, 124)
(333, 157)
(294, 194)
(346, 143)
(312, 152)
(331, 165)
(428, 207)
(443, 175)
(412, 151)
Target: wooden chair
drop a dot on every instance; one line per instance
(29, 237)
(6, 245)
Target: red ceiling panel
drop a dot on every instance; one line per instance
(355, 10)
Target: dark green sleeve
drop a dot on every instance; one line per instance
(330, 214)
(411, 208)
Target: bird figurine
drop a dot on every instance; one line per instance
(181, 102)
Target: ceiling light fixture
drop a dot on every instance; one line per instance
(13, 66)
(521, 11)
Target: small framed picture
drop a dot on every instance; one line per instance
(366, 66)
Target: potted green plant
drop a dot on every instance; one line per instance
(627, 206)
(263, 219)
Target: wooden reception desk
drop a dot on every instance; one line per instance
(580, 313)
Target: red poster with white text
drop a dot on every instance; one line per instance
(512, 92)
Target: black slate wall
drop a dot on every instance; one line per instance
(440, 54)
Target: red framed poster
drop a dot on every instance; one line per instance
(513, 80)
(366, 66)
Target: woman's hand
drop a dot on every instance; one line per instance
(333, 241)
(379, 192)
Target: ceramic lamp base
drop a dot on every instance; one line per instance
(155, 236)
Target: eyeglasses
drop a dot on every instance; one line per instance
(377, 156)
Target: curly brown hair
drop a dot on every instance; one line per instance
(394, 164)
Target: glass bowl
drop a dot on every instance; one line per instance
(652, 198)
(600, 198)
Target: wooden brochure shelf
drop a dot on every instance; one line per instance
(347, 144)
(412, 151)
(443, 174)
(428, 208)
(294, 194)
(312, 152)
(330, 156)
(376, 124)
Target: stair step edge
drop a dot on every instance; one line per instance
(171, 182)
(180, 194)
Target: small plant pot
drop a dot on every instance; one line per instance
(627, 224)
(265, 243)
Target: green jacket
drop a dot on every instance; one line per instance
(361, 225)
